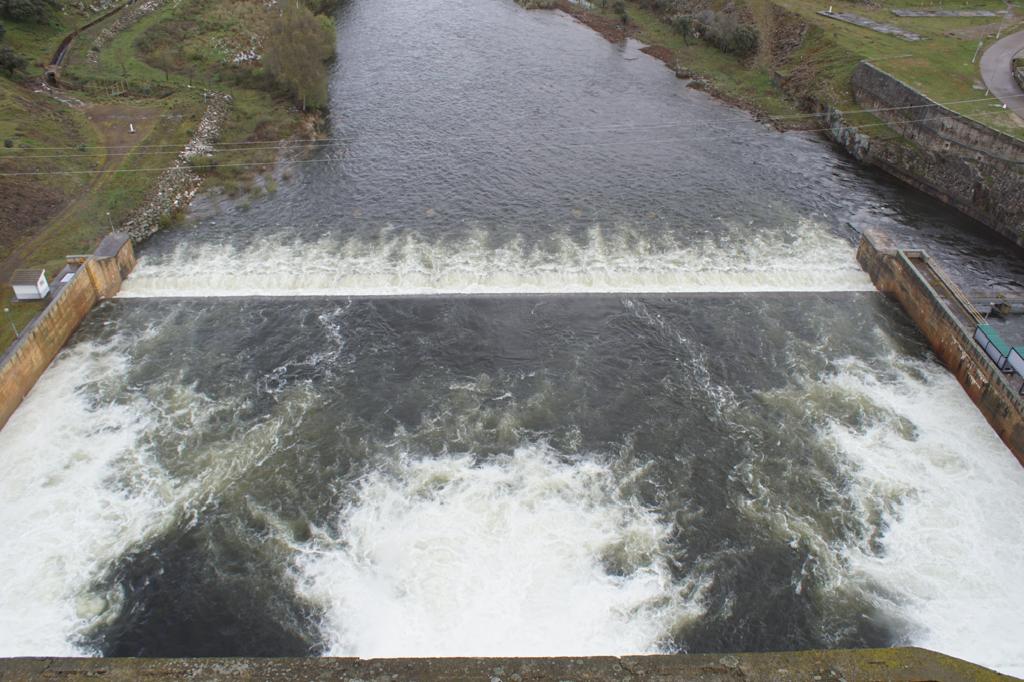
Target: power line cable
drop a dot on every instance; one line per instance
(747, 119)
(333, 159)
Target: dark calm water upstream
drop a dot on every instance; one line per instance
(675, 416)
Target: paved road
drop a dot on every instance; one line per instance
(995, 71)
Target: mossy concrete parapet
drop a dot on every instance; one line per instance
(852, 665)
(895, 275)
(99, 277)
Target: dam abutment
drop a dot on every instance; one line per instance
(898, 274)
(963, 163)
(95, 278)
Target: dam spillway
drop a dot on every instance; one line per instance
(601, 261)
(508, 476)
(291, 433)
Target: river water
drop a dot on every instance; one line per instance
(673, 416)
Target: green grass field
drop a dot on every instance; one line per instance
(19, 314)
(941, 65)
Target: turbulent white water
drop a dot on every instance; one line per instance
(81, 488)
(526, 553)
(447, 556)
(77, 493)
(954, 547)
(626, 262)
(927, 469)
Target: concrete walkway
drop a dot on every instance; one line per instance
(997, 74)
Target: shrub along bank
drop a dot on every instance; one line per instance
(70, 167)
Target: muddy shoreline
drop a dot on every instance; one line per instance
(615, 32)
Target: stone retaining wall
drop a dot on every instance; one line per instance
(99, 277)
(925, 122)
(893, 274)
(966, 164)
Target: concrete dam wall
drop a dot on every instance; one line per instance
(965, 164)
(98, 277)
(895, 274)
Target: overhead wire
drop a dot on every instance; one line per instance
(242, 145)
(554, 145)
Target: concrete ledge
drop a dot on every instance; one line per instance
(897, 665)
(872, 25)
(895, 275)
(99, 277)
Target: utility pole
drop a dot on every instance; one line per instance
(8, 312)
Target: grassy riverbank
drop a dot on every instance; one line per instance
(82, 158)
(801, 55)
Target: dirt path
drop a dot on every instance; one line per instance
(111, 123)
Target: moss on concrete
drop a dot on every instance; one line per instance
(897, 665)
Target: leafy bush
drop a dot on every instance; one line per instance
(668, 7)
(296, 52)
(685, 25)
(11, 61)
(28, 10)
(322, 6)
(726, 33)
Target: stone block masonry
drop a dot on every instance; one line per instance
(894, 274)
(98, 277)
(962, 162)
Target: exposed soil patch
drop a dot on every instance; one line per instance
(24, 202)
(661, 52)
(114, 124)
(27, 202)
(612, 29)
(46, 208)
(786, 34)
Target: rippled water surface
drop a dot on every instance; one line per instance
(674, 415)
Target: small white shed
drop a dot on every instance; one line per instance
(30, 285)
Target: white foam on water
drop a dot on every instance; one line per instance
(625, 262)
(506, 557)
(77, 492)
(952, 497)
(81, 487)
